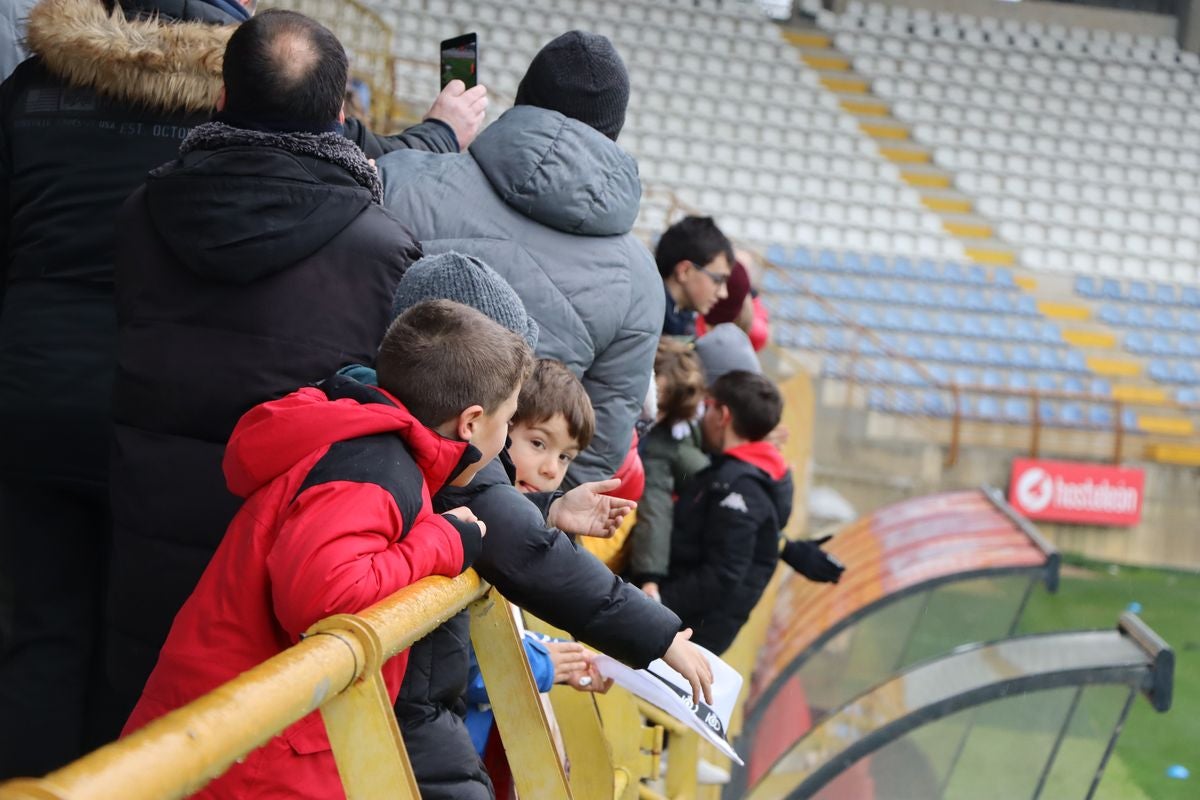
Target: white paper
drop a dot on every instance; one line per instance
(654, 685)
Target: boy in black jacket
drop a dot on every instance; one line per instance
(725, 535)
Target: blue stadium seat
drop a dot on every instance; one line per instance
(1002, 302)
(988, 407)
(996, 356)
(877, 397)
(1071, 414)
(868, 347)
(853, 262)
(1188, 396)
(1099, 416)
(1085, 286)
(1047, 358)
(1110, 289)
(833, 367)
(802, 258)
(923, 294)
(1026, 305)
(921, 322)
(1188, 347)
(1048, 333)
(864, 371)
(1185, 372)
(965, 376)
(936, 403)
(1112, 314)
(871, 289)
(903, 268)
(1073, 383)
(1190, 296)
(907, 375)
(877, 265)
(1137, 317)
(940, 373)
(1161, 345)
(946, 324)
(976, 274)
(1016, 409)
(973, 300)
(915, 349)
(1165, 319)
(941, 350)
(817, 313)
(778, 254)
(953, 272)
(823, 285)
(1160, 371)
(1100, 387)
(992, 379)
(1045, 382)
(836, 340)
(1188, 321)
(1074, 361)
(1018, 380)
(997, 327)
(1021, 357)
(927, 270)
(972, 325)
(776, 282)
(1139, 292)
(948, 297)
(1137, 342)
(1129, 420)
(905, 402)
(1048, 412)
(827, 259)
(866, 316)
(893, 319)
(1164, 293)
(897, 292)
(1002, 276)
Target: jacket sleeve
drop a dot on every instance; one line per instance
(337, 552)
(433, 136)
(651, 538)
(542, 571)
(616, 382)
(729, 532)
(7, 90)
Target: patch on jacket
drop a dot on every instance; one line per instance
(735, 502)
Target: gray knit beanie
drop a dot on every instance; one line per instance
(724, 349)
(581, 76)
(467, 280)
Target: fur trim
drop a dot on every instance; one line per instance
(332, 147)
(167, 66)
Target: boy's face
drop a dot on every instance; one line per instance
(488, 434)
(713, 425)
(541, 453)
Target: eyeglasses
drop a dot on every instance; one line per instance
(718, 279)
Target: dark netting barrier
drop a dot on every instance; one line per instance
(1027, 717)
(925, 576)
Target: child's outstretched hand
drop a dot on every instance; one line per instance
(683, 657)
(587, 511)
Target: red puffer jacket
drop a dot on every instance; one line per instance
(337, 517)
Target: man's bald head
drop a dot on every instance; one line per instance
(285, 72)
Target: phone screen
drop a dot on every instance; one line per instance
(460, 59)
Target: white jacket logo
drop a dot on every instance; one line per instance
(734, 501)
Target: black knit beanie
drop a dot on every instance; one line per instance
(579, 75)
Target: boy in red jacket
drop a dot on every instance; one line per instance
(337, 481)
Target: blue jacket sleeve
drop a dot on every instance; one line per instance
(539, 662)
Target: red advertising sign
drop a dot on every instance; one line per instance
(1069, 491)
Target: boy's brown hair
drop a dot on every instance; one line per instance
(679, 367)
(440, 357)
(554, 389)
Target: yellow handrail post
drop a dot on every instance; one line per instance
(683, 758)
(532, 755)
(361, 723)
(640, 755)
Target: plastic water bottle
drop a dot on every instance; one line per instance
(1178, 771)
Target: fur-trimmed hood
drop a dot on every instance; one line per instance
(162, 64)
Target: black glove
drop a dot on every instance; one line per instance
(807, 558)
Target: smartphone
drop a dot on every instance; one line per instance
(460, 59)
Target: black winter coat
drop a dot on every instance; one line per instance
(243, 272)
(725, 542)
(541, 570)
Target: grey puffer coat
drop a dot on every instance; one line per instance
(549, 203)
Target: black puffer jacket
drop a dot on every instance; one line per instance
(541, 570)
(252, 265)
(725, 541)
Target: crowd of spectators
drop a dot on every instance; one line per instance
(260, 365)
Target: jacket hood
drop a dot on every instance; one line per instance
(275, 436)
(763, 455)
(241, 213)
(168, 65)
(559, 172)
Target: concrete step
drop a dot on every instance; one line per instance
(1114, 367)
(926, 176)
(991, 253)
(845, 82)
(885, 129)
(808, 38)
(863, 105)
(1090, 338)
(946, 201)
(826, 60)
(906, 153)
(967, 226)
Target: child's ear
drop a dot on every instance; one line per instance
(468, 422)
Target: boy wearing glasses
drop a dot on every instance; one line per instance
(695, 260)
